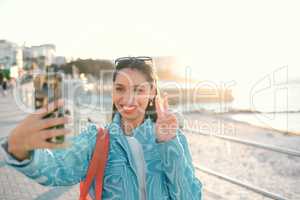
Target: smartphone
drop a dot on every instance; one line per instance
(48, 87)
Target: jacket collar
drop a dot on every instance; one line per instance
(143, 133)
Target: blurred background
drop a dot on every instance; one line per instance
(231, 68)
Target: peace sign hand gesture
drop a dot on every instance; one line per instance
(166, 123)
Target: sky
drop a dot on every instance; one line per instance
(241, 41)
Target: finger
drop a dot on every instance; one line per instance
(45, 134)
(158, 106)
(166, 102)
(49, 108)
(51, 122)
(170, 115)
(167, 120)
(158, 92)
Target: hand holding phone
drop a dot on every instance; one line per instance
(48, 88)
(35, 131)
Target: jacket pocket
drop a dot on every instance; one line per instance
(114, 183)
(157, 188)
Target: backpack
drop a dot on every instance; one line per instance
(96, 167)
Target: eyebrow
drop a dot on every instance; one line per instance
(135, 86)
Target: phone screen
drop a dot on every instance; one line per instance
(48, 87)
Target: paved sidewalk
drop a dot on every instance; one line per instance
(14, 185)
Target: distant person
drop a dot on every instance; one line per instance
(1, 81)
(149, 156)
(12, 84)
(1, 77)
(4, 86)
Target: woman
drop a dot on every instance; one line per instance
(148, 157)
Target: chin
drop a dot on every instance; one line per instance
(130, 116)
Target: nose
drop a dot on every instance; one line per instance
(128, 98)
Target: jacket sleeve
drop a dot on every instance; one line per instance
(58, 167)
(177, 164)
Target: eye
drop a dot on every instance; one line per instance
(119, 89)
(139, 90)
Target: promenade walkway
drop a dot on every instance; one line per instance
(14, 185)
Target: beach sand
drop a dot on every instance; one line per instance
(275, 172)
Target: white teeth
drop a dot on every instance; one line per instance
(128, 108)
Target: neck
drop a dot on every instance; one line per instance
(129, 125)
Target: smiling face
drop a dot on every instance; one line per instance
(131, 94)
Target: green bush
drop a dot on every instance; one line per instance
(5, 73)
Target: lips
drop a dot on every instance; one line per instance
(129, 108)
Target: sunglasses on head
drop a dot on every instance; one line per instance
(133, 59)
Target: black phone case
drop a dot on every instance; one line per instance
(48, 88)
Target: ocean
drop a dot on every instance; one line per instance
(276, 108)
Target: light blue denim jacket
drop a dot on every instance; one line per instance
(169, 169)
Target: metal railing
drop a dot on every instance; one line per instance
(240, 183)
(289, 152)
(245, 185)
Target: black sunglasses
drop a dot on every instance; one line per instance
(133, 59)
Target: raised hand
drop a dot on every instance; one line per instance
(166, 123)
(32, 133)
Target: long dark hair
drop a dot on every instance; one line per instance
(150, 74)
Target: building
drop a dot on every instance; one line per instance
(11, 55)
(17, 58)
(42, 55)
(60, 60)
